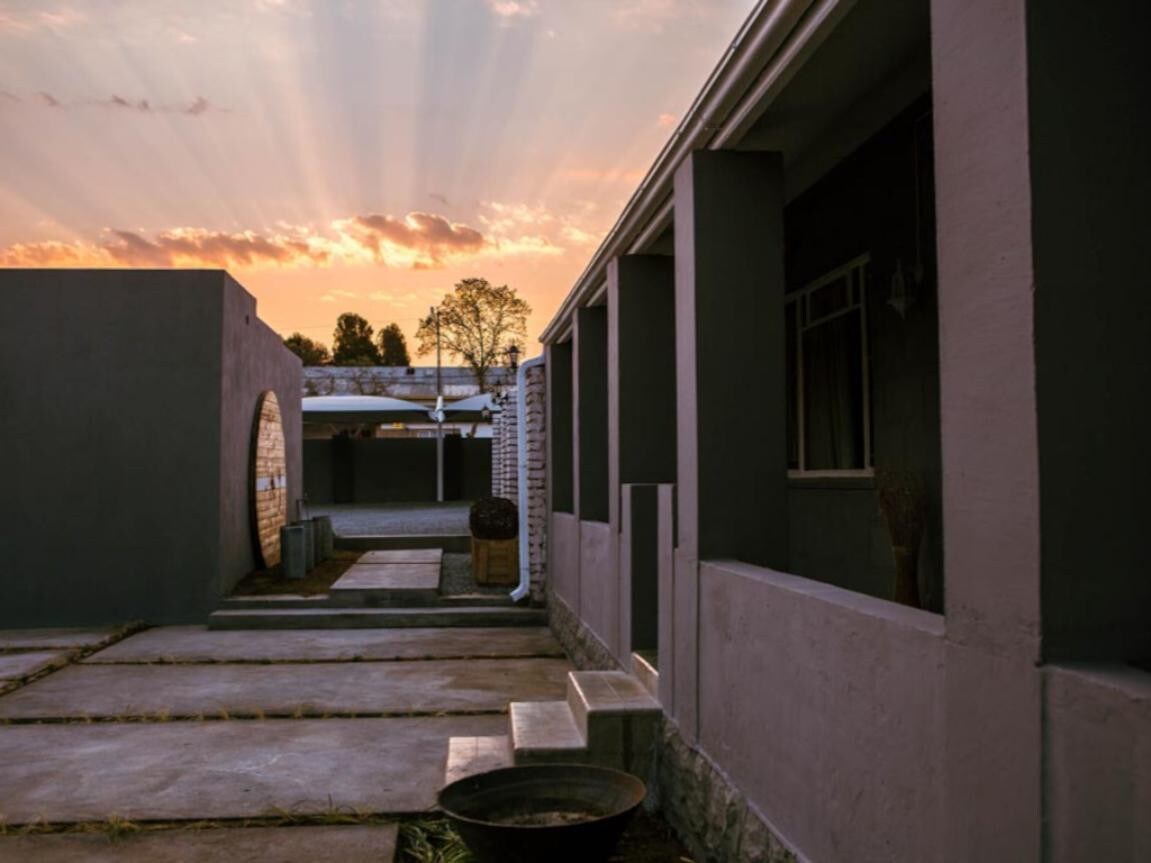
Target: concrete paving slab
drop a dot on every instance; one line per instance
(354, 687)
(202, 770)
(468, 756)
(404, 555)
(200, 644)
(46, 638)
(351, 844)
(15, 666)
(389, 576)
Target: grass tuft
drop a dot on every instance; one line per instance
(431, 841)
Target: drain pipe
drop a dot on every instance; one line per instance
(524, 587)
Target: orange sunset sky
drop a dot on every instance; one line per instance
(341, 155)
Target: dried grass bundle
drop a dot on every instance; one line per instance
(903, 503)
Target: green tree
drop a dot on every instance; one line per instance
(478, 322)
(352, 343)
(311, 353)
(393, 347)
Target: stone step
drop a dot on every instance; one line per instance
(275, 600)
(545, 732)
(468, 756)
(617, 717)
(387, 585)
(456, 543)
(375, 618)
(291, 601)
(644, 670)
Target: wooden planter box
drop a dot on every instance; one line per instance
(496, 561)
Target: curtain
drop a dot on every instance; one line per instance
(833, 394)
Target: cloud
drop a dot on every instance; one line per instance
(653, 15)
(198, 106)
(421, 240)
(179, 247)
(336, 295)
(667, 120)
(523, 229)
(603, 175)
(511, 9)
(30, 20)
(395, 299)
(5, 96)
(436, 196)
(418, 241)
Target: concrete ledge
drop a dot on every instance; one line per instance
(926, 622)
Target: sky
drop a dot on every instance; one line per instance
(341, 155)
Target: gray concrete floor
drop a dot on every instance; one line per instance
(396, 519)
(356, 844)
(63, 769)
(430, 686)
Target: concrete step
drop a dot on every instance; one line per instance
(387, 585)
(291, 601)
(468, 756)
(275, 600)
(545, 732)
(375, 618)
(456, 543)
(643, 669)
(617, 717)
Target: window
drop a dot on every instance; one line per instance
(828, 398)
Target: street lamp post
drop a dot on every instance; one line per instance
(439, 414)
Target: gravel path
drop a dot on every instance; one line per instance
(391, 519)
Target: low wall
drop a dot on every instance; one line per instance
(826, 708)
(599, 583)
(564, 556)
(394, 470)
(1098, 777)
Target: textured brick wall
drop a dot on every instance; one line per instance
(505, 426)
(537, 502)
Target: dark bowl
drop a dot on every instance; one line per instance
(557, 813)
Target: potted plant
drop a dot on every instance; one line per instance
(494, 523)
(903, 502)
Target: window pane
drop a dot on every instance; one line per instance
(833, 394)
(829, 299)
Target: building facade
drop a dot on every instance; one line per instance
(127, 443)
(873, 327)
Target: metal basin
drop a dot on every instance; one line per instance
(556, 813)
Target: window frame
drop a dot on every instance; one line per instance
(792, 306)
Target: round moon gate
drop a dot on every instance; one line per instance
(269, 479)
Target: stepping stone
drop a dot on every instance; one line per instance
(284, 690)
(207, 770)
(348, 844)
(468, 756)
(200, 644)
(370, 584)
(46, 638)
(545, 732)
(17, 666)
(375, 618)
(401, 555)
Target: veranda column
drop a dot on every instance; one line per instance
(641, 423)
(730, 380)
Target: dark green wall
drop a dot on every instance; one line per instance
(879, 201)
